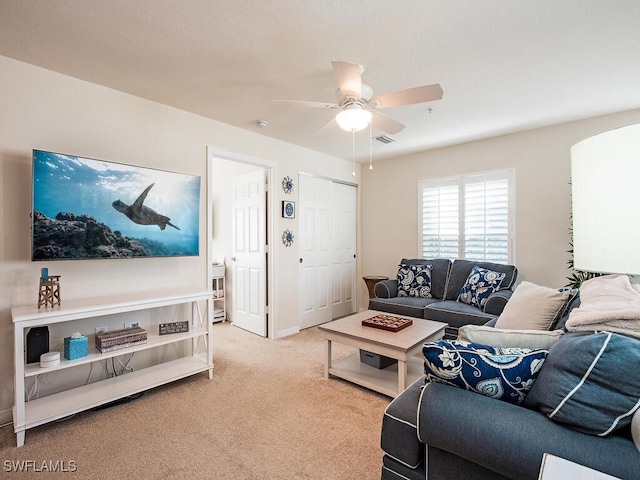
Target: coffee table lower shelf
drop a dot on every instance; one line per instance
(383, 380)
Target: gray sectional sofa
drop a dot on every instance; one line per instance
(451, 434)
(447, 279)
(435, 431)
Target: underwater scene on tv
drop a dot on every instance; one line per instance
(85, 208)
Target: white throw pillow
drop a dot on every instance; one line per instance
(532, 307)
(508, 338)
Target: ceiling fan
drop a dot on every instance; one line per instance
(358, 105)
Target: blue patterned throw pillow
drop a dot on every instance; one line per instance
(502, 373)
(414, 280)
(480, 284)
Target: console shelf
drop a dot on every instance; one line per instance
(60, 405)
(52, 407)
(153, 340)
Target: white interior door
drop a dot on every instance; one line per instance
(343, 285)
(315, 251)
(327, 250)
(248, 260)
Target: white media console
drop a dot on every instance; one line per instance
(29, 414)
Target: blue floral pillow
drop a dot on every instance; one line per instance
(414, 280)
(502, 373)
(480, 284)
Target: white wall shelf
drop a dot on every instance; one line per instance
(28, 414)
(219, 285)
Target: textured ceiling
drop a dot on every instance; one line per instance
(504, 65)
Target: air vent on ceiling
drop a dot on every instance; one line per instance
(385, 139)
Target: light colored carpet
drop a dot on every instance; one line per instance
(267, 414)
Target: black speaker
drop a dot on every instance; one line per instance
(37, 343)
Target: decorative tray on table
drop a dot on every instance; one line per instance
(387, 322)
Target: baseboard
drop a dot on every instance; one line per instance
(288, 332)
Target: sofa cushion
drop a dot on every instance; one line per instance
(461, 269)
(497, 337)
(439, 273)
(456, 314)
(410, 306)
(495, 303)
(414, 280)
(502, 373)
(533, 307)
(589, 382)
(480, 284)
(573, 302)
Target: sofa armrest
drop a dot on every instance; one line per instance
(386, 288)
(511, 440)
(399, 437)
(496, 302)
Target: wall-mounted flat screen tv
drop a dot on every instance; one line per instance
(85, 208)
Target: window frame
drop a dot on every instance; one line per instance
(460, 181)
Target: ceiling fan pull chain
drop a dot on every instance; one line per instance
(353, 153)
(370, 148)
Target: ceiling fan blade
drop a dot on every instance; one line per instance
(327, 128)
(348, 77)
(304, 103)
(386, 123)
(425, 93)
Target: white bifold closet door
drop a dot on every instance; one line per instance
(327, 247)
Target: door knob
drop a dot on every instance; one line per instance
(300, 260)
(233, 259)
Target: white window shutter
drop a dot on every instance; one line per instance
(486, 221)
(440, 221)
(467, 217)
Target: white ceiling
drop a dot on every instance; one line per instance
(504, 65)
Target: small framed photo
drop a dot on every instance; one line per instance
(288, 209)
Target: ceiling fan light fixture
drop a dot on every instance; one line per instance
(354, 118)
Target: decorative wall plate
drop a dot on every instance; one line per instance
(287, 238)
(288, 209)
(287, 184)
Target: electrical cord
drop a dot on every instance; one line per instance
(125, 366)
(34, 389)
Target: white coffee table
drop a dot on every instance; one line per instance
(402, 345)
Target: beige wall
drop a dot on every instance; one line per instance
(541, 159)
(45, 110)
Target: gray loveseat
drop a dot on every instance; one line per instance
(447, 279)
(440, 432)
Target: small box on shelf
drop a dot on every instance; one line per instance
(376, 360)
(76, 347)
(119, 339)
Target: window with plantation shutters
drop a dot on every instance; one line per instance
(467, 217)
